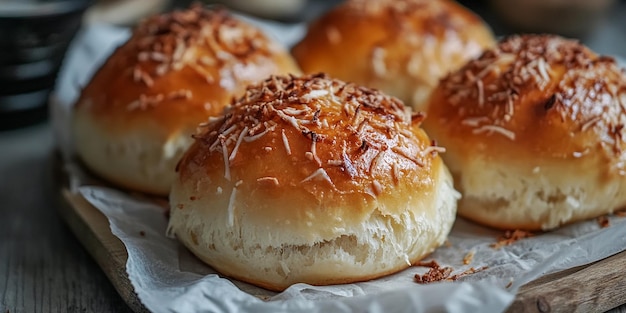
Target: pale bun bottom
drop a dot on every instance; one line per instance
(380, 246)
(535, 197)
(141, 159)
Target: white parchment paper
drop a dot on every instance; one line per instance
(167, 278)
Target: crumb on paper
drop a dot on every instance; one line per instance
(511, 236)
(467, 259)
(509, 284)
(434, 274)
(438, 273)
(142, 233)
(603, 221)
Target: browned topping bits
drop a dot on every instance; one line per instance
(511, 236)
(437, 273)
(304, 105)
(603, 221)
(521, 64)
(467, 259)
(197, 38)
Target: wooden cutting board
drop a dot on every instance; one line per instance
(596, 287)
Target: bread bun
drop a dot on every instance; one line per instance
(312, 180)
(135, 118)
(534, 133)
(401, 47)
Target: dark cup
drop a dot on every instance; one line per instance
(34, 36)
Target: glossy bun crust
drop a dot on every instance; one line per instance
(534, 132)
(135, 118)
(308, 179)
(402, 47)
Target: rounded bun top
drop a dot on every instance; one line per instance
(181, 63)
(538, 95)
(434, 16)
(401, 47)
(317, 140)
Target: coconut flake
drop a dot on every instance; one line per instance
(268, 179)
(314, 153)
(542, 65)
(495, 129)
(286, 143)
(290, 119)
(378, 61)
(590, 123)
(406, 155)
(231, 207)
(481, 93)
(474, 121)
(233, 154)
(430, 149)
(377, 187)
(314, 94)
(226, 161)
(320, 174)
(257, 136)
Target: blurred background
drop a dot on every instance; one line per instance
(42, 264)
(34, 34)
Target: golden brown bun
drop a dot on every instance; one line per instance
(312, 180)
(533, 131)
(402, 47)
(135, 118)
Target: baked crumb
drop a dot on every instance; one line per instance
(438, 273)
(435, 273)
(467, 259)
(603, 221)
(509, 285)
(510, 237)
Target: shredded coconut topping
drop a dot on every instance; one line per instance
(167, 42)
(585, 90)
(291, 109)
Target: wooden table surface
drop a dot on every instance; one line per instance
(43, 267)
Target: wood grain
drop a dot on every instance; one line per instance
(43, 267)
(92, 229)
(597, 287)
